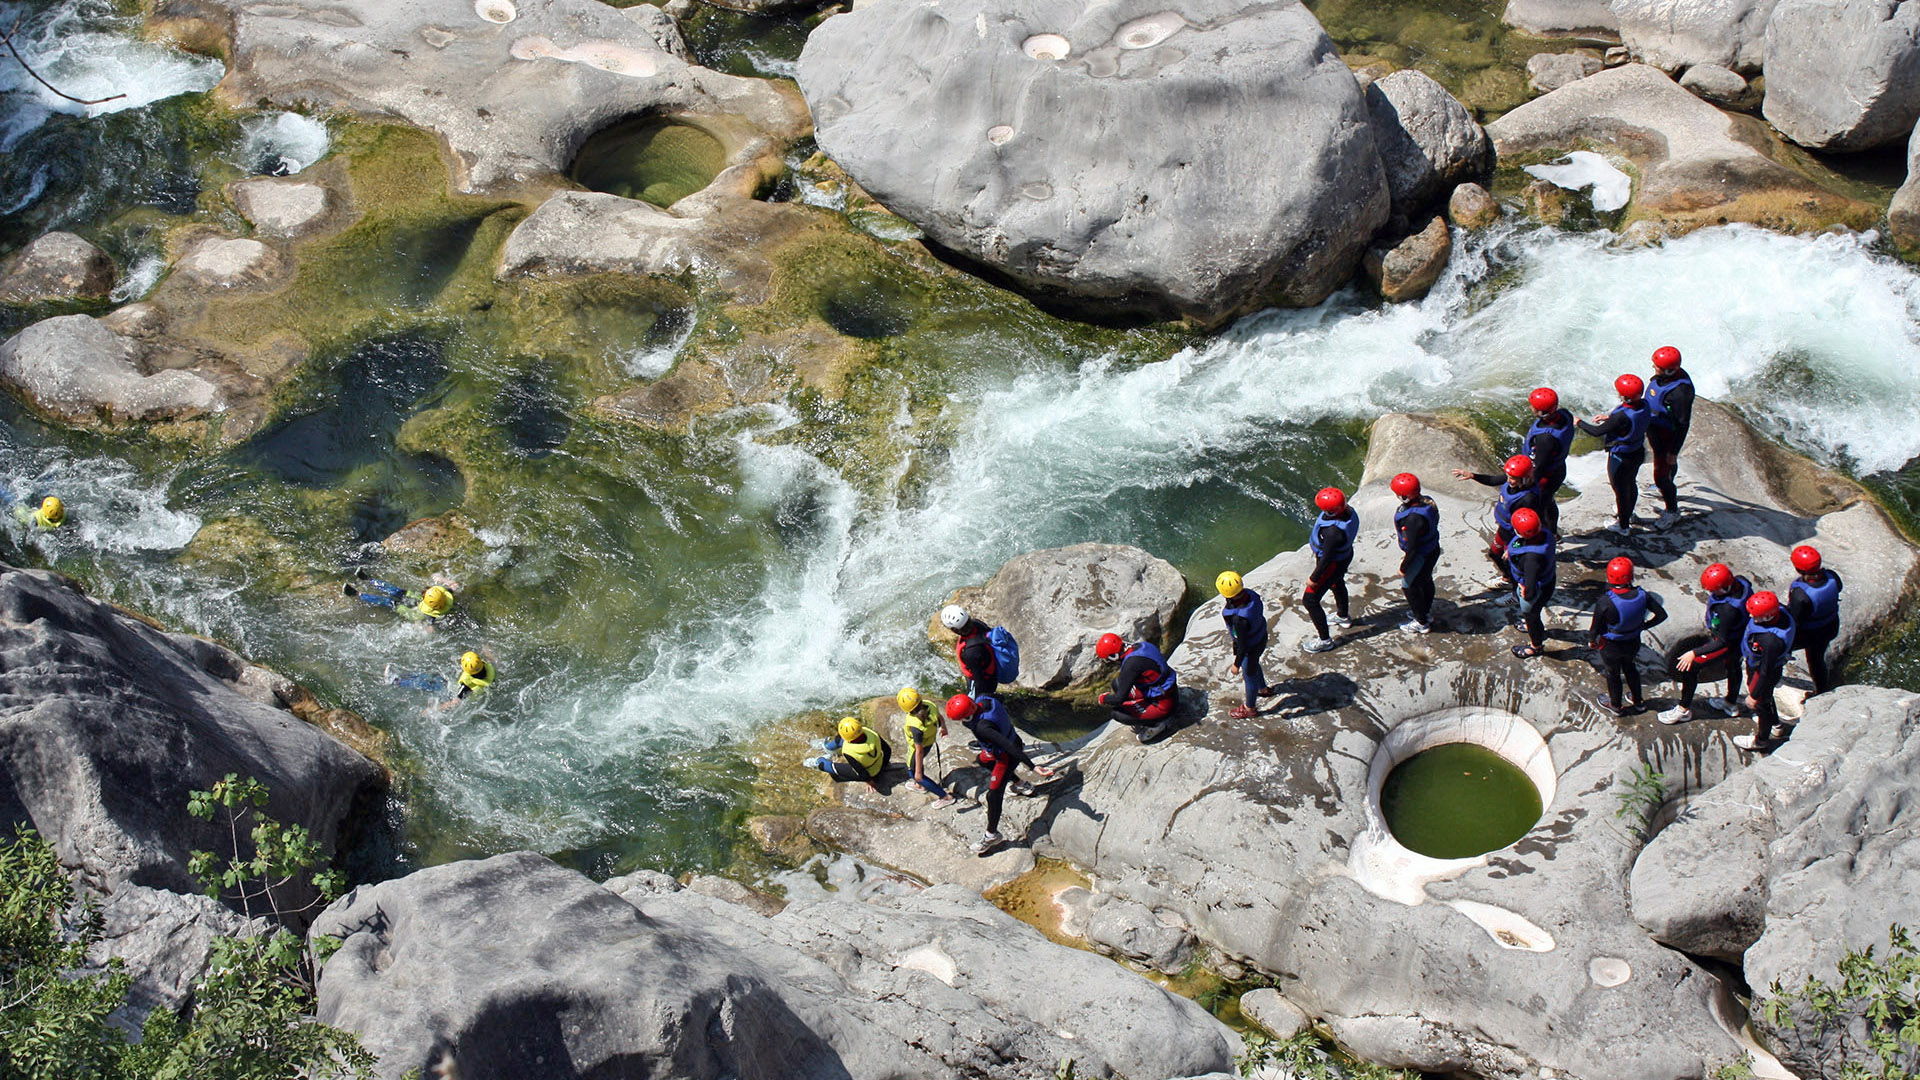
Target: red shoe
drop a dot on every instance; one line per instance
(1242, 712)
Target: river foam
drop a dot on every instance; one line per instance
(89, 51)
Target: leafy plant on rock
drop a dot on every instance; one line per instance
(1639, 799)
(1308, 1055)
(1867, 1027)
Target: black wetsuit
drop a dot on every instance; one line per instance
(1618, 642)
(978, 665)
(1131, 699)
(1814, 630)
(1419, 536)
(1766, 657)
(1334, 552)
(1625, 433)
(1529, 496)
(1534, 571)
(1549, 455)
(998, 751)
(1668, 432)
(1726, 622)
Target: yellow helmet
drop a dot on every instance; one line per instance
(438, 601)
(850, 729)
(52, 510)
(908, 698)
(1228, 583)
(471, 663)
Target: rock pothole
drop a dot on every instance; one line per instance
(1046, 47)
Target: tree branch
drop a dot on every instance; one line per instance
(7, 39)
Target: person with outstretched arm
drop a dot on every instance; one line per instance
(1331, 539)
(1814, 602)
(1001, 750)
(1624, 431)
(1246, 619)
(1766, 647)
(863, 754)
(1533, 560)
(1726, 624)
(1416, 526)
(1519, 489)
(1670, 399)
(1625, 611)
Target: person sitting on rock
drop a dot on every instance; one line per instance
(1766, 647)
(475, 674)
(1145, 691)
(1726, 623)
(1519, 489)
(1332, 541)
(1001, 750)
(863, 754)
(921, 733)
(1624, 431)
(1813, 599)
(49, 515)
(978, 664)
(1625, 611)
(1670, 398)
(1532, 560)
(1416, 525)
(1246, 619)
(428, 607)
(1549, 441)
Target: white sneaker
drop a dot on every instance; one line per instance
(1618, 529)
(941, 804)
(1316, 644)
(1415, 626)
(1339, 620)
(1745, 742)
(1679, 714)
(988, 843)
(1724, 706)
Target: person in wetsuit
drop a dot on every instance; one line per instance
(1549, 441)
(1331, 539)
(1532, 560)
(1246, 619)
(1145, 690)
(922, 731)
(863, 754)
(1624, 612)
(1519, 489)
(1766, 647)
(1726, 623)
(1001, 750)
(1416, 526)
(1670, 399)
(978, 664)
(1624, 431)
(1814, 602)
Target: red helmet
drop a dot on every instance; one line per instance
(959, 707)
(1717, 576)
(1666, 358)
(1806, 559)
(1517, 466)
(1544, 400)
(1406, 485)
(1629, 386)
(1620, 571)
(1526, 522)
(1763, 605)
(1109, 646)
(1330, 499)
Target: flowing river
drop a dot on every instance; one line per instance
(659, 603)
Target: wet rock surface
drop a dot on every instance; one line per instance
(1083, 155)
(1715, 84)
(1843, 74)
(1562, 18)
(1472, 207)
(77, 370)
(57, 266)
(281, 207)
(1903, 213)
(513, 965)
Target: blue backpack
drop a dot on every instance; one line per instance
(1006, 654)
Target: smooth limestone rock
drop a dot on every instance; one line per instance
(1058, 602)
(1716, 84)
(513, 966)
(1409, 268)
(1547, 72)
(1195, 161)
(1676, 34)
(1562, 18)
(281, 208)
(1281, 1018)
(1843, 74)
(77, 370)
(1903, 213)
(222, 264)
(165, 940)
(1135, 931)
(57, 266)
(1472, 207)
(1428, 141)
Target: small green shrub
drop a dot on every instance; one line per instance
(1865, 1028)
(1309, 1056)
(1639, 800)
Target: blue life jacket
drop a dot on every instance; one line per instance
(1349, 524)
(1630, 613)
(1638, 420)
(1423, 509)
(1540, 543)
(1784, 632)
(1561, 435)
(1823, 601)
(1160, 685)
(1509, 497)
(1656, 397)
(1248, 606)
(1732, 606)
(994, 714)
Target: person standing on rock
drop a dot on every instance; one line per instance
(1766, 647)
(978, 664)
(1145, 691)
(1002, 750)
(49, 515)
(1814, 602)
(1416, 525)
(1532, 560)
(1332, 541)
(1519, 489)
(1670, 399)
(863, 754)
(1549, 441)
(1624, 431)
(920, 727)
(1246, 619)
(1624, 613)
(1726, 623)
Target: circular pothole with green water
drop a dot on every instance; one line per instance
(650, 158)
(1458, 800)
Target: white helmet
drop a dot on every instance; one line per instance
(953, 617)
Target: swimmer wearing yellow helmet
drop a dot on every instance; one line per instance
(429, 607)
(473, 676)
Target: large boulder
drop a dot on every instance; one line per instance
(77, 370)
(1059, 602)
(1903, 213)
(57, 266)
(1199, 160)
(1843, 74)
(516, 967)
(1676, 34)
(164, 942)
(1428, 142)
(1562, 18)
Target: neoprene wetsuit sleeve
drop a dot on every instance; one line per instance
(991, 736)
(1766, 668)
(1488, 479)
(1123, 683)
(1615, 423)
(1679, 404)
(1416, 530)
(1240, 630)
(1799, 606)
(1602, 619)
(1533, 572)
(1659, 613)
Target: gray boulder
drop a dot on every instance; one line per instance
(1428, 141)
(1676, 34)
(1281, 1018)
(165, 940)
(1562, 18)
(77, 370)
(1843, 74)
(1547, 72)
(1903, 213)
(1133, 930)
(1406, 270)
(1472, 207)
(1123, 157)
(515, 967)
(57, 266)
(1716, 84)
(219, 264)
(1059, 602)
(281, 208)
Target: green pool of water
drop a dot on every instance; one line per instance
(651, 159)
(1458, 800)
